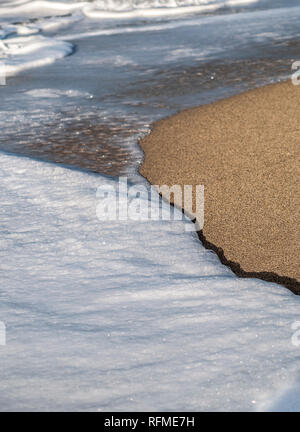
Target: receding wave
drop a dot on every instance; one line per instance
(23, 46)
(13, 8)
(22, 53)
(155, 8)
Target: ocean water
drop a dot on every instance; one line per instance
(104, 315)
(84, 80)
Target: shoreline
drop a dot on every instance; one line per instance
(244, 150)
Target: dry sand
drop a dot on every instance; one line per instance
(245, 150)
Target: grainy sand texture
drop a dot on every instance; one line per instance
(245, 150)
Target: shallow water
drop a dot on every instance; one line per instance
(112, 68)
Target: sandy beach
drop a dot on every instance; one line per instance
(245, 151)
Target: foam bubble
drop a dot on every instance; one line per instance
(21, 53)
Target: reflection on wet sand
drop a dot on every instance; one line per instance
(83, 144)
(237, 74)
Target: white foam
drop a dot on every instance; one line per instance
(56, 93)
(286, 399)
(126, 316)
(120, 10)
(39, 6)
(22, 46)
(21, 53)
(104, 9)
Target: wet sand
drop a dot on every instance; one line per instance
(245, 150)
(84, 144)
